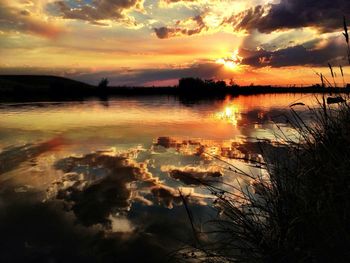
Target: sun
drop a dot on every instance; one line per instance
(231, 62)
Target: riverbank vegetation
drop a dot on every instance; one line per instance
(296, 211)
(298, 208)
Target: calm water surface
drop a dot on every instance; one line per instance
(102, 180)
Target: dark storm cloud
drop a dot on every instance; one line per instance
(16, 19)
(332, 51)
(98, 10)
(168, 32)
(325, 15)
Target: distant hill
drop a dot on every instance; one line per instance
(22, 85)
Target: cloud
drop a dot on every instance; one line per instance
(32, 229)
(101, 184)
(96, 185)
(166, 142)
(193, 175)
(178, 1)
(185, 147)
(125, 76)
(12, 157)
(135, 77)
(194, 148)
(324, 15)
(17, 18)
(206, 149)
(315, 53)
(166, 195)
(170, 197)
(179, 30)
(100, 10)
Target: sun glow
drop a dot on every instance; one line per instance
(231, 62)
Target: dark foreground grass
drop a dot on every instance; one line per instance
(299, 209)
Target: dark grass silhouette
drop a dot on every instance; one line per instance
(299, 210)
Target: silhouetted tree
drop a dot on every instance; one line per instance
(220, 84)
(103, 83)
(191, 83)
(197, 84)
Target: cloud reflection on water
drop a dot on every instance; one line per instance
(116, 186)
(98, 186)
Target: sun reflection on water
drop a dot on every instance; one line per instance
(230, 114)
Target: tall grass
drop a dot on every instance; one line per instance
(346, 35)
(299, 209)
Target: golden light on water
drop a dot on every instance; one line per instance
(231, 62)
(230, 114)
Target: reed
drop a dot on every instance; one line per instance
(332, 74)
(298, 208)
(346, 35)
(342, 74)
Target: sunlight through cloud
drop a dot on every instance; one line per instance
(232, 62)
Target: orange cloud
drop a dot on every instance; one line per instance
(178, 30)
(18, 19)
(101, 10)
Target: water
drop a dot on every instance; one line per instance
(102, 180)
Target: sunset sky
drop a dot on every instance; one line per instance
(156, 42)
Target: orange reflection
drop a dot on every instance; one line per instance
(231, 114)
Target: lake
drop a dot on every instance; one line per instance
(105, 180)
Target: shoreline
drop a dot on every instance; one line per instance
(34, 88)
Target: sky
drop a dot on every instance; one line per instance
(156, 42)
